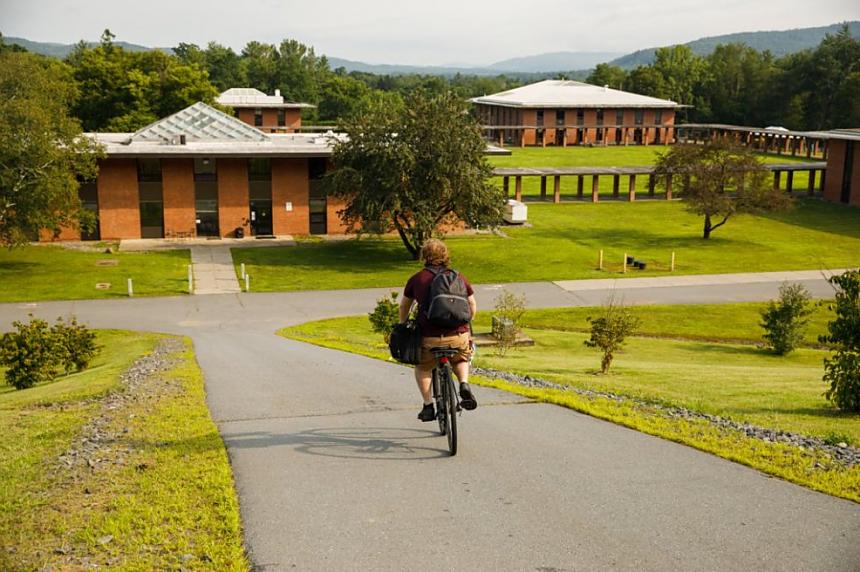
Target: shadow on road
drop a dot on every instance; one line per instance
(372, 443)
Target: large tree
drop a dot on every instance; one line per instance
(719, 180)
(414, 168)
(42, 151)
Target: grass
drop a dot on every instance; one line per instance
(734, 380)
(564, 241)
(171, 505)
(49, 272)
(611, 156)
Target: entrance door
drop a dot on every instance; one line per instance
(317, 208)
(261, 217)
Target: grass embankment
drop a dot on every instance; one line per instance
(168, 504)
(564, 241)
(610, 156)
(718, 376)
(49, 272)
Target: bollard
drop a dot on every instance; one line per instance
(242, 266)
(130, 289)
(190, 280)
(600, 261)
(247, 282)
(672, 266)
(624, 264)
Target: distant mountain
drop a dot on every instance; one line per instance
(522, 70)
(554, 62)
(56, 50)
(778, 43)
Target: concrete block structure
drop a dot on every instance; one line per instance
(268, 113)
(562, 112)
(203, 173)
(842, 184)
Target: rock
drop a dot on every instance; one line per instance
(106, 539)
(842, 444)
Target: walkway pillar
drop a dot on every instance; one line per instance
(789, 182)
(506, 185)
(631, 189)
(580, 184)
(595, 188)
(542, 188)
(652, 182)
(616, 182)
(811, 189)
(777, 176)
(556, 189)
(518, 188)
(668, 187)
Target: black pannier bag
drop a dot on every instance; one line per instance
(448, 300)
(405, 343)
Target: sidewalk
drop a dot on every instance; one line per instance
(213, 270)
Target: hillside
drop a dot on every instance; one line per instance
(56, 50)
(779, 43)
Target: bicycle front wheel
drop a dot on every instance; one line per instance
(450, 408)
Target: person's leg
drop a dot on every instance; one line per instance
(422, 378)
(461, 370)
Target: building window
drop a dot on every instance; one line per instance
(258, 117)
(619, 117)
(600, 117)
(88, 192)
(580, 117)
(540, 116)
(206, 197)
(639, 116)
(260, 196)
(282, 118)
(658, 117)
(317, 203)
(559, 118)
(151, 198)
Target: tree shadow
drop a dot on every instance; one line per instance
(821, 216)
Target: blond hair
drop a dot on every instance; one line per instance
(434, 253)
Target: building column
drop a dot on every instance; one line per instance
(518, 188)
(595, 188)
(631, 189)
(556, 189)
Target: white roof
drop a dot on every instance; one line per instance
(566, 93)
(198, 122)
(250, 97)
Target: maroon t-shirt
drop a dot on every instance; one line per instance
(418, 288)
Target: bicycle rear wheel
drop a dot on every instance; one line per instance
(440, 403)
(450, 408)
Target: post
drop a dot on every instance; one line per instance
(190, 280)
(595, 188)
(672, 265)
(616, 180)
(669, 187)
(600, 260)
(652, 183)
(624, 264)
(130, 289)
(789, 182)
(242, 268)
(542, 188)
(777, 175)
(631, 189)
(811, 188)
(556, 189)
(506, 185)
(518, 188)
(580, 184)
(247, 282)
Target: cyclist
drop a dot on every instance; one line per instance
(434, 254)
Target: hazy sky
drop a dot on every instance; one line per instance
(422, 33)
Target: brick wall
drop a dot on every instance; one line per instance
(119, 202)
(293, 119)
(233, 204)
(177, 181)
(835, 165)
(290, 184)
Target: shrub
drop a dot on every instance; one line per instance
(35, 353)
(609, 330)
(385, 316)
(842, 371)
(507, 313)
(784, 320)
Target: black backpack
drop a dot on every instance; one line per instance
(448, 299)
(405, 343)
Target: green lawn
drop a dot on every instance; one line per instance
(632, 156)
(173, 496)
(735, 380)
(49, 272)
(564, 241)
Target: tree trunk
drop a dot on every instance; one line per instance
(413, 250)
(706, 231)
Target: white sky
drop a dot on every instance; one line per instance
(435, 32)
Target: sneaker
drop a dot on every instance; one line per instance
(428, 413)
(467, 399)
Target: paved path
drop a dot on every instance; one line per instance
(334, 472)
(213, 270)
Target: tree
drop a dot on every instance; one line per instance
(608, 74)
(784, 320)
(842, 371)
(414, 168)
(721, 179)
(42, 151)
(608, 331)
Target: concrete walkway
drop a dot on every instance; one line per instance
(213, 270)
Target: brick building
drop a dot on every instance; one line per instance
(200, 172)
(562, 112)
(842, 183)
(269, 113)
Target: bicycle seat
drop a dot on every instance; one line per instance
(444, 351)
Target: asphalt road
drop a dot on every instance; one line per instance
(335, 473)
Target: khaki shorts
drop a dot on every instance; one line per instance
(461, 342)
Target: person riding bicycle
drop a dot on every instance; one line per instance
(434, 254)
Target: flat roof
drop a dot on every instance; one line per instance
(298, 145)
(851, 134)
(245, 97)
(644, 170)
(567, 93)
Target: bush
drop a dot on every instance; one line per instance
(842, 371)
(609, 330)
(35, 353)
(385, 316)
(784, 320)
(508, 312)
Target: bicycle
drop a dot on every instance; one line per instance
(445, 395)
